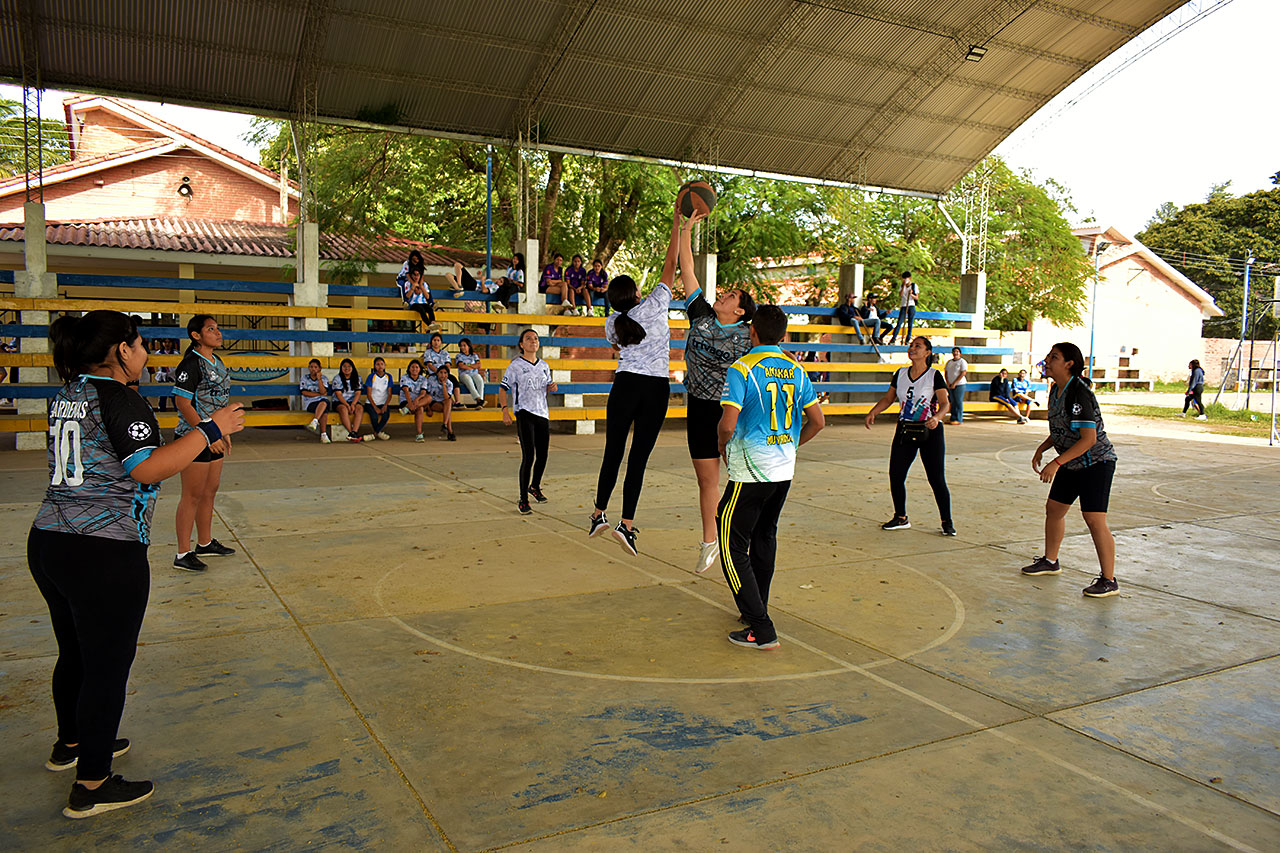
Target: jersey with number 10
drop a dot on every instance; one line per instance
(771, 390)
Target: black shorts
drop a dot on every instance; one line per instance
(315, 404)
(1091, 485)
(208, 455)
(702, 428)
(468, 281)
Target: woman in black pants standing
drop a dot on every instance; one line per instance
(921, 392)
(523, 397)
(638, 329)
(1195, 388)
(87, 549)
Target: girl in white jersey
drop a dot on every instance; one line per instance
(87, 548)
(524, 389)
(638, 329)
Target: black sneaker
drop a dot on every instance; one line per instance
(898, 522)
(747, 639)
(214, 549)
(1102, 588)
(537, 495)
(626, 537)
(451, 436)
(115, 793)
(599, 524)
(948, 529)
(1043, 566)
(65, 757)
(524, 507)
(189, 562)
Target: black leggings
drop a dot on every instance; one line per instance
(1193, 397)
(96, 589)
(535, 433)
(426, 310)
(506, 290)
(933, 453)
(639, 400)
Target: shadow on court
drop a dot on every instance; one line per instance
(396, 659)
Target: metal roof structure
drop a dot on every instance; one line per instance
(881, 93)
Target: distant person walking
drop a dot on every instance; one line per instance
(956, 373)
(1084, 468)
(921, 394)
(1195, 389)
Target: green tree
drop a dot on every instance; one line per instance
(1209, 241)
(57, 148)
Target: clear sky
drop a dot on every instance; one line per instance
(1198, 110)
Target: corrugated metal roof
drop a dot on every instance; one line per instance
(845, 90)
(238, 238)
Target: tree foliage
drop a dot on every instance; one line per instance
(53, 136)
(1209, 241)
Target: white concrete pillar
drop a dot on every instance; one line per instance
(308, 290)
(34, 282)
(704, 267)
(850, 281)
(532, 302)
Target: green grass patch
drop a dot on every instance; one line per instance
(1221, 419)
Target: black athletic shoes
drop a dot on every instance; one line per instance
(898, 522)
(115, 793)
(626, 537)
(1042, 566)
(537, 495)
(214, 549)
(65, 757)
(524, 507)
(189, 562)
(747, 639)
(1102, 587)
(599, 524)
(948, 529)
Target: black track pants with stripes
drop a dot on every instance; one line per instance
(747, 521)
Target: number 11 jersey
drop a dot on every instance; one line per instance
(771, 390)
(99, 431)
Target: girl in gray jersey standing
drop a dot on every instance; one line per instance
(523, 397)
(87, 549)
(638, 329)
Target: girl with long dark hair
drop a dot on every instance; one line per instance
(1195, 390)
(87, 549)
(638, 329)
(346, 390)
(523, 397)
(1084, 468)
(921, 394)
(201, 386)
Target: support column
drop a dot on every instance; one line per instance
(309, 290)
(850, 281)
(532, 302)
(360, 303)
(34, 282)
(704, 267)
(973, 299)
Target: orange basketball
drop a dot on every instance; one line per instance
(696, 196)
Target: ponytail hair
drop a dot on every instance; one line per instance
(932, 358)
(80, 343)
(194, 327)
(623, 296)
(1070, 352)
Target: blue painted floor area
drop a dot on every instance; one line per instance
(395, 659)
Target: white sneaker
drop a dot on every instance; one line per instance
(314, 426)
(404, 410)
(324, 439)
(419, 437)
(708, 554)
(369, 437)
(1202, 417)
(382, 436)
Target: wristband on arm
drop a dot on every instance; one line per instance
(210, 430)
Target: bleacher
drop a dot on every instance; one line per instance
(259, 311)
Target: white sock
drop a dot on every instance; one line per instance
(205, 544)
(183, 554)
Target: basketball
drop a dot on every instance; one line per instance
(696, 196)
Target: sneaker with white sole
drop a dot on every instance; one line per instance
(948, 528)
(384, 436)
(898, 522)
(747, 639)
(1102, 587)
(314, 426)
(189, 562)
(419, 438)
(626, 537)
(404, 410)
(213, 548)
(65, 757)
(1042, 566)
(598, 524)
(324, 439)
(369, 437)
(115, 793)
(708, 554)
(537, 495)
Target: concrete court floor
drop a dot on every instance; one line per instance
(396, 660)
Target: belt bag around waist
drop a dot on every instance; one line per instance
(914, 432)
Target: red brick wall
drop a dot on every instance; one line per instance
(102, 132)
(149, 188)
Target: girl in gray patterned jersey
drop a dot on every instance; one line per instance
(718, 336)
(87, 549)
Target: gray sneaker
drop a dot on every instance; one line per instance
(1102, 588)
(1043, 566)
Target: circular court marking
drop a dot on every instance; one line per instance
(842, 667)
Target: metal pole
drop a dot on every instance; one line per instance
(1093, 305)
(488, 213)
(1248, 382)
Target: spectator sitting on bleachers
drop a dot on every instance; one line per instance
(849, 314)
(1022, 394)
(512, 283)
(576, 277)
(346, 390)
(418, 298)
(553, 283)
(315, 398)
(378, 388)
(435, 355)
(413, 396)
(1001, 391)
(470, 374)
(442, 396)
(462, 280)
(164, 375)
(597, 279)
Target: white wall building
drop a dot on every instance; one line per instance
(1146, 311)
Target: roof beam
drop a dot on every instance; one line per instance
(1088, 18)
(570, 25)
